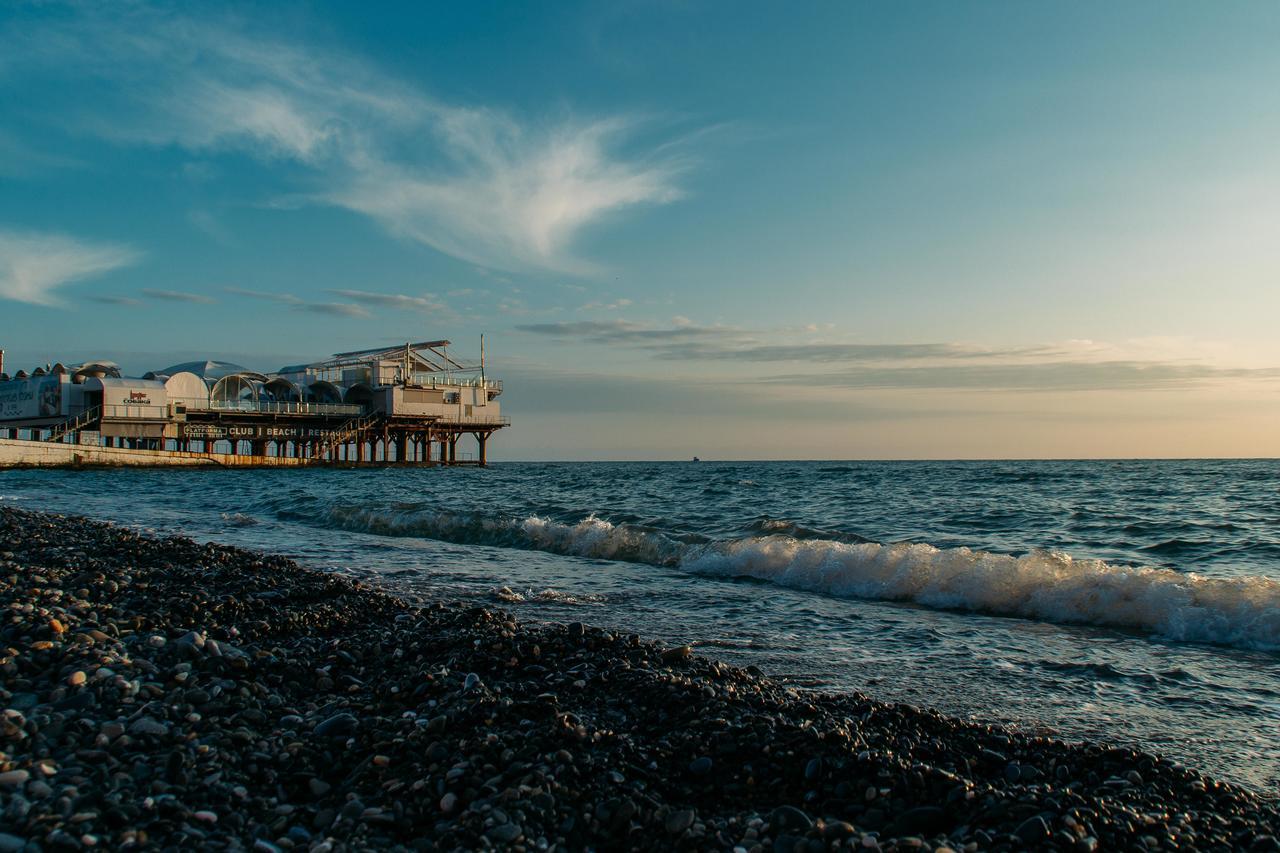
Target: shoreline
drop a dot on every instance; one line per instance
(159, 691)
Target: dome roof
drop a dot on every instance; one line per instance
(206, 369)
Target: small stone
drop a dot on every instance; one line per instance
(318, 787)
(148, 726)
(700, 766)
(504, 833)
(206, 816)
(14, 778)
(472, 681)
(448, 802)
(11, 843)
(337, 726)
(677, 654)
(678, 821)
(790, 817)
(1033, 830)
(77, 678)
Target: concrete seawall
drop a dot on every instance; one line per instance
(49, 454)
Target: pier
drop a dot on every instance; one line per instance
(411, 404)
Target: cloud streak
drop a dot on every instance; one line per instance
(177, 296)
(472, 182)
(398, 301)
(296, 303)
(903, 366)
(34, 265)
(1053, 376)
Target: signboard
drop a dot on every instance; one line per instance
(268, 432)
(134, 392)
(36, 397)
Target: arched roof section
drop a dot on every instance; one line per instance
(210, 369)
(281, 390)
(187, 388)
(360, 394)
(323, 392)
(238, 390)
(100, 368)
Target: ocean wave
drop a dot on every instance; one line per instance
(590, 537)
(1235, 611)
(1242, 612)
(546, 596)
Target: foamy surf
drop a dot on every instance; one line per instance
(1243, 612)
(1240, 611)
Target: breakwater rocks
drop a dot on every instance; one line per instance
(159, 692)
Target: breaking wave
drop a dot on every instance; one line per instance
(1243, 612)
(546, 596)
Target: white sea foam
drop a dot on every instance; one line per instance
(594, 537)
(546, 596)
(1243, 612)
(1234, 611)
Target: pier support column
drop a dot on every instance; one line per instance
(483, 439)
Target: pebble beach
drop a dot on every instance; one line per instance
(161, 693)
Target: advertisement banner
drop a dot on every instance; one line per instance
(269, 432)
(29, 399)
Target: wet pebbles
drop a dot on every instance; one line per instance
(158, 692)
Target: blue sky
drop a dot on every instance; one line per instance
(747, 230)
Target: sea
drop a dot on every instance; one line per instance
(1131, 602)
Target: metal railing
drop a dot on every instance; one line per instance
(465, 421)
(282, 408)
(435, 380)
(349, 431)
(76, 423)
(118, 412)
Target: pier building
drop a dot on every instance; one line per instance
(411, 404)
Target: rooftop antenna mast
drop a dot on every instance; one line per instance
(481, 359)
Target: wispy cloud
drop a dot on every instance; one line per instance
(1069, 366)
(394, 300)
(107, 299)
(626, 332)
(1053, 376)
(615, 305)
(488, 187)
(177, 296)
(34, 265)
(333, 309)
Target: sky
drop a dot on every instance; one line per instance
(733, 230)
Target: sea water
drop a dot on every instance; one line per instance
(1135, 602)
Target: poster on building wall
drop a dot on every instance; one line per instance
(28, 399)
(270, 432)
